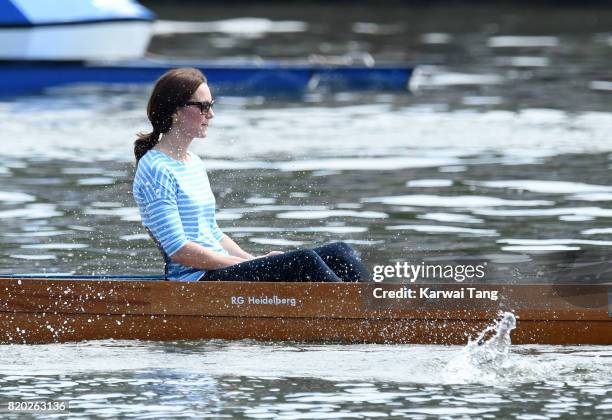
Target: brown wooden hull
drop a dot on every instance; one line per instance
(62, 310)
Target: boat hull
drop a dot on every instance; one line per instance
(86, 41)
(65, 310)
(74, 30)
(259, 78)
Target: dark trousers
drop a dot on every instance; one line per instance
(335, 262)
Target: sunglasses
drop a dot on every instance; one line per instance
(205, 106)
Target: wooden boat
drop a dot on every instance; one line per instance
(63, 309)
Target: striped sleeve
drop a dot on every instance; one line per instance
(217, 233)
(164, 219)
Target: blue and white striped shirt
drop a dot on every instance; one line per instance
(177, 205)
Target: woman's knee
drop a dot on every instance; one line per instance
(306, 255)
(307, 259)
(342, 248)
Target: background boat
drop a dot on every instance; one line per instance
(70, 42)
(80, 30)
(244, 78)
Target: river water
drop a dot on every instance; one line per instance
(243, 379)
(500, 152)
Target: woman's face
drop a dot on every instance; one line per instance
(189, 119)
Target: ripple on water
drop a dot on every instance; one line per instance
(482, 100)
(136, 237)
(545, 187)
(428, 77)
(544, 242)
(576, 218)
(58, 246)
(602, 85)
(450, 217)
(223, 215)
(39, 233)
(462, 201)
(99, 180)
(331, 213)
(436, 38)
(438, 229)
(272, 208)
(429, 183)
(15, 197)
(330, 229)
(523, 61)
(597, 231)
(32, 211)
(111, 204)
(365, 164)
(539, 248)
(276, 241)
(88, 170)
(522, 41)
(34, 257)
(128, 214)
(248, 27)
(588, 212)
(604, 196)
(260, 200)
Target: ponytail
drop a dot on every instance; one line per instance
(145, 143)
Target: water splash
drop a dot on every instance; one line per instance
(487, 358)
(496, 348)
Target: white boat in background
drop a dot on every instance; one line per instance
(54, 43)
(74, 30)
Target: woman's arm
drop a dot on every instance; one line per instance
(233, 249)
(164, 222)
(195, 255)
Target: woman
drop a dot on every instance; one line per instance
(177, 205)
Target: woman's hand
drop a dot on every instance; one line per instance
(273, 253)
(269, 254)
(231, 260)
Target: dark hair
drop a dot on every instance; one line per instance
(171, 90)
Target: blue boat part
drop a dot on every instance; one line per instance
(260, 78)
(70, 30)
(53, 276)
(34, 13)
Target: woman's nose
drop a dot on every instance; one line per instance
(210, 114)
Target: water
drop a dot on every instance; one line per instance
(488, 378)
(502, 153)
(496, 185)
